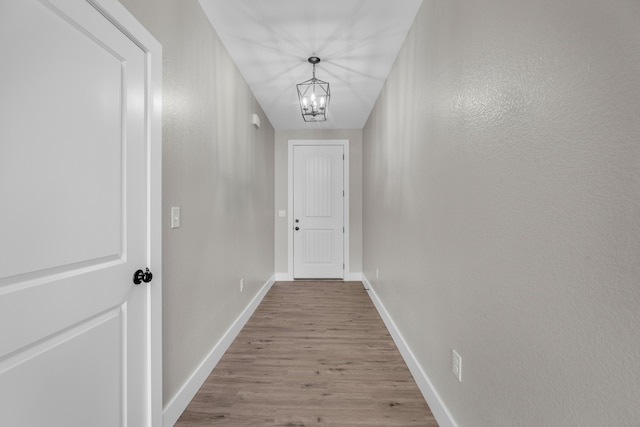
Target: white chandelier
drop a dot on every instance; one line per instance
(314, 96)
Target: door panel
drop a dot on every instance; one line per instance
(75, 376)
(318, 211)
(318, 246)
(74, 189)
(84, 81)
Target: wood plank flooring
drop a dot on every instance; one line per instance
(314, 353)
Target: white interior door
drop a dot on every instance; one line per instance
(73, 186)
(318, 211)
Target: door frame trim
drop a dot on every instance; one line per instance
(318, 142)
(115, 12)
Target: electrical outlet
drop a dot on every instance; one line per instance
(175, 217)
(241, 285)
(456, 365)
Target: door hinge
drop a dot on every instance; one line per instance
(343, 229)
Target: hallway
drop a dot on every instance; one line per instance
(493, 204)
(313, 353)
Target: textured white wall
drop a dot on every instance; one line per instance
(282, 138)
(502, 207)
(219, 169)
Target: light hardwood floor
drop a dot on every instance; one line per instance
(314, 353)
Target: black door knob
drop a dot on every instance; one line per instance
(142, 276)
(297, 228)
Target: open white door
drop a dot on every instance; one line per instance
(78, 217)
(318, 211)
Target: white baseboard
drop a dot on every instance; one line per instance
(287, 277)
(178, 404)
(437, 406)
(283, 277)
(353, 277)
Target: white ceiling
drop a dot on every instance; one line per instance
(270, 41)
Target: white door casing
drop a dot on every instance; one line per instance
(80, 188)
(318, 211)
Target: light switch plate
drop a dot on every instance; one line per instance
(175, 217)
(456, 365)
(282, 214)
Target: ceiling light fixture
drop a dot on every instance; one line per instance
(313, 96)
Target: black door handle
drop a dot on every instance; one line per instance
(142, 276)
